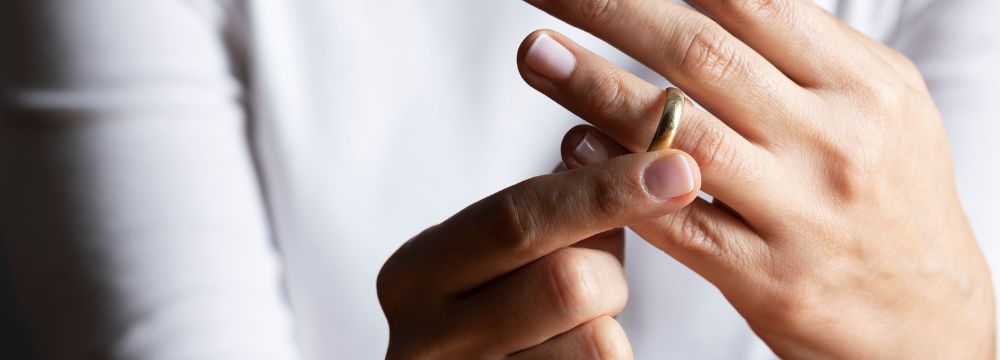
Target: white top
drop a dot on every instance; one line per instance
(223, 179)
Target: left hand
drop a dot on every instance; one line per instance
(839, 232)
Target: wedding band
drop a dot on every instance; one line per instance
(669, 120)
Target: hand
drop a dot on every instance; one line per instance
(498, 279)
(836, 230)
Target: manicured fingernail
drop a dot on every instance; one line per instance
(589, 150)
(549, 58)
(669, 177)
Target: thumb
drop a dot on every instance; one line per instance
(585, 145)
(582, 146)
(703, 236)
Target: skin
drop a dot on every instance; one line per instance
(836, 230)
(500, 276)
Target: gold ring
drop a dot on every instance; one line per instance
(669, 120)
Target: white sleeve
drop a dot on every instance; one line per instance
(130, 212)
(956, 45)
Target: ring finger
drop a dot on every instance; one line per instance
(627, 108)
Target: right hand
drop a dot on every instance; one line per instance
(500, 279)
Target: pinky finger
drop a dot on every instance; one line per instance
(601, 338)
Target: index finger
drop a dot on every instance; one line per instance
(524, 222)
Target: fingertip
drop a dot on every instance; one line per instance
(545, 54)
(695, 173)
(672, 176)
(529, 40)
(570, 142)
(585, 145)
(613, 342)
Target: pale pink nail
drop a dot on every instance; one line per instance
(589, 150)
(549, 58)
(669, 177)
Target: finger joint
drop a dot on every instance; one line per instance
(519, 227)
(609, 95)
(714, 149)
(595, 11)
(608, 197)
(710, 55)
(757, 9)
(573, 284)
(695, 233)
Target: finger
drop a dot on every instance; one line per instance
(711, 238)
(706, 237)
(535, 217)
(714, 243)
(726, 208)
(581, 147)
(692, 233)
(804, 41)
(611, 241)
(548, 297)
(601, 338)
(730, 164)
(724, 75)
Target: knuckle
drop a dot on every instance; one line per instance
(394, 284)
(846, 167)
(383, 286)
(593, 11)
(855, 169)
(911, 72)
(882, 98)
(908, 67)
(902, 63)
(885, 97)
(710, 55)
(609, 95)
(518, 225)
(695, 234)
(385, 293)
(852, 172)
(791, 306)
(608, 197)
(607, 339)
(761, 9)
(714, 149)
(387, 287)
(573, 284)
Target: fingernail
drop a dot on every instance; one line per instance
(549, 58)
(589, 150)
(669, 177)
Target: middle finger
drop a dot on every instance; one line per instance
(723, 74)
